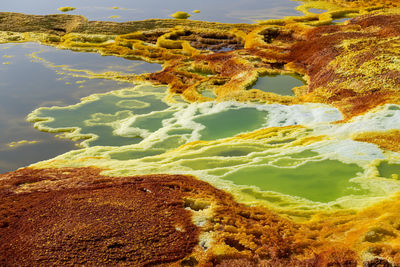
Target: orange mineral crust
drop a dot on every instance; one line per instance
(93, 220)
(72, 216)
(361, 3)
(389, 140)
(352, 66)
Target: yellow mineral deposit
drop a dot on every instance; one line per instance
(251, 177)
(22, 142)
(66, 9)
(180, 15)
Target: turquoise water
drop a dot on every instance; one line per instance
(279, 84)
(92, 118)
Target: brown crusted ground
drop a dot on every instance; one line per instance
(364, 3)
(72, 216)
(354, 92)
(93, 221)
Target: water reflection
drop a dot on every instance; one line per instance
(95, 62)
(342, 20)
(235, 11)
(26, 84)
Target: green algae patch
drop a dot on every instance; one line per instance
(319, 181)
(180, 15)
(388, 170)
(66, 8)
(231, 122)
(279, 84)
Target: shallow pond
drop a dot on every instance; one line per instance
(320, 181)
(279, 84)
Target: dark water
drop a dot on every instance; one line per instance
(233, 11)
(27, 85)
(317, 11)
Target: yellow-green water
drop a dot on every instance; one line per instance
(320, 181)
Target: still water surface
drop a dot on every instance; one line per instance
(27, 83)
(232, 11)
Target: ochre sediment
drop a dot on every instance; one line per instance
(389, 140)
(78, 216)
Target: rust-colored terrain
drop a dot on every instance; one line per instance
(78, 216)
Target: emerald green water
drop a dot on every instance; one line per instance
(279, 84)
(320, 181)
(93, 118)
(151, 122)
(386, 170)
(231, 122)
